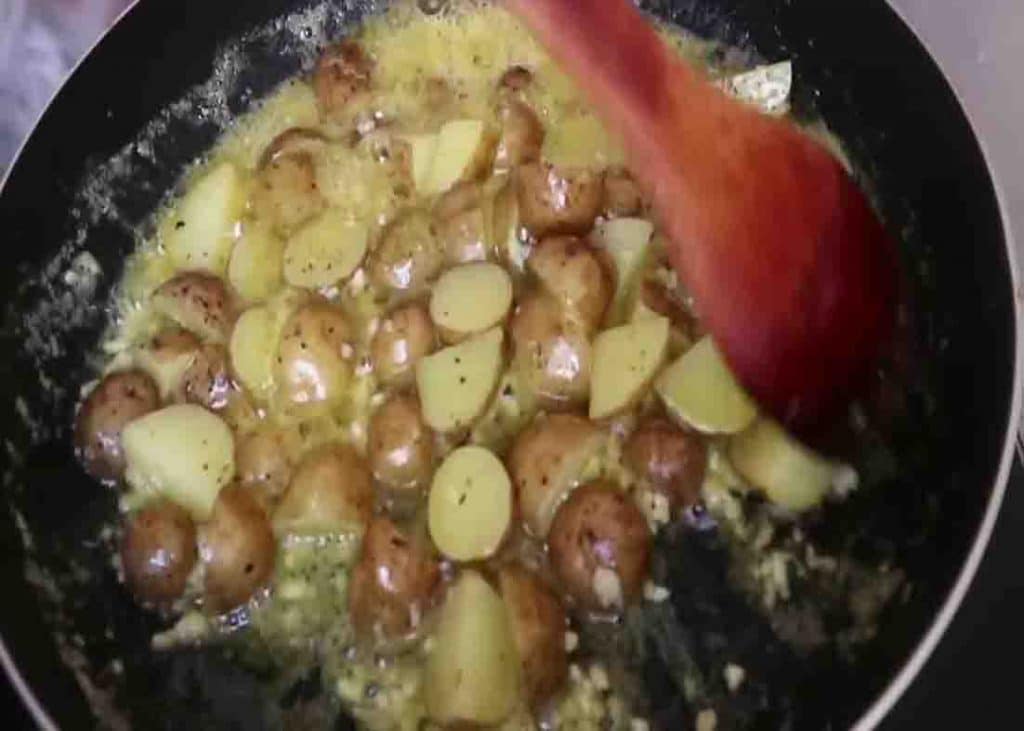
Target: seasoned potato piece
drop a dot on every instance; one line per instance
(456, 383)
(626, 359)
(790, 474)
(200, 232)
(314, 357)
(422, 149)
(252, 348)
(515, 79)
(256, 269)
(330, 490)
(404, 336)
(469, 299)
(627, 243)
(552, 354)
(158, 551)
(198, 302)
(538, 625)
(285, 191)
(558, 201)
(401, 447)
(408, 255)
(325, 251)
(511, 409)
(622, 195)
(470, 506)
(237, 547)
(342, 74)
(166, 357)
(465, 150)
(522, 136)
(472, 677)
(293, 141)
(546, 462)
(264, 460)
(669, 459)
(394, 585)
(571, 272)
(600, 547)
(462, 223)
(698, 390)
(182, 452)
(117, 400)
(207, 381)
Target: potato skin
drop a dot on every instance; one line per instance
(599, 528)
(515, 79)
(622, 194)
(572, 272)
(207, 381)
(538, 625)
(199, 302)
(314, 356)
(670, 460)
(407, 256)
(342, 74)
(404, 336)
(158, 551)
(401, 447)
(117, 400)
(238, 549)
(285, 191)
(395, 582)
(522, 136)
(558, 201)
(551, 352)
(331, 488)
(263, 461)
(461, 224)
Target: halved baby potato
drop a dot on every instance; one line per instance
(200, 231)
(465, 148)
(314, 356)
(255, 269)
(422, 149)
(558, 200)
(199, 302)
(252, 348)
(182, 452)
(470, 504)
(627, 241)
(456, 383)
(469, 299)
(166, 357)
(626, 359)
(330, 490)
(572, 273)
(790, 474)
(700, 392)
(325, 251)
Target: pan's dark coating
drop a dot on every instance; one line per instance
(902, 128)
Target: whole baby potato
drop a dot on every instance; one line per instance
(600, 547)
(263, 460)
(314, 356)
(404, 336)
(199, 302)
(285, 191)
(394, 585)
(117, 400)
(401, 447)
(237, 547)
(572, 272)
(158, 551)
(669, 459)
(408, 254)
(330, 490)
(558, 201)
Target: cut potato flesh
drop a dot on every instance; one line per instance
(456, 383)
(325, 251)
(464, 147)
(627, 241)
(182, 452)
(256, 259)
(424, 149)
(252, 347)
(201, 231)
(790, 474)
(470, 504)
(472, 676)
(469, 299)
(626, 359)
(699, 390)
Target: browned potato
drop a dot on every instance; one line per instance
(670, 460)
(263, 461)
(551, 352)
(207, 381)
(572, 272)
(401, 447)
(158, 552)
(462, 225)
(622, 195)
(515, 79)
(558, 201)
(538, 625)
(522, 136)
(167, 356)
(330, 490)
(237, 548)
(546, 462)
(285, 189)
(408, 255)
(394, 584)
(118, 399)
(600, 547)
(404, 336)
(657, 298)
(314, 357)
(341, 75)
(199, 302)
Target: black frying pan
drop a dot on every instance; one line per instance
(857, 65)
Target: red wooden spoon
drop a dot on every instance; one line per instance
(790, 269)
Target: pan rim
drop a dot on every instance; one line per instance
(911, 667)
